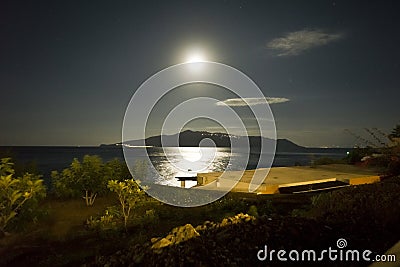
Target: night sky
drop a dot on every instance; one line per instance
(69, 68)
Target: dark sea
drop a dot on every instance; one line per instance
(46, 159)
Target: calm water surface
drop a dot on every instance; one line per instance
(168, 162)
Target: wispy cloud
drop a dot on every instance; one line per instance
(251, 101)
(295, 43)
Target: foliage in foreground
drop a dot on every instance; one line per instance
(366, 213)
(377, 204)
(382, 151)
(88, 178)
(15, 193)
(129, 193)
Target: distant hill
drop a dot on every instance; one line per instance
(190, 138)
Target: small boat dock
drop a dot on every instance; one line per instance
(287, 180)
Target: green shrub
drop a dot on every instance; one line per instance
(388, 161)
(18, 196)
(253, 211)
(129, 194)
(266, 208)
(116, 170)
(231, 205)
(109, 221)
(357, 154)
(378, 204)
(88, 178)
(393, 167)
(149, 219)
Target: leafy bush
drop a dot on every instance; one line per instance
(265, 208)
(230, 205)
(388, 160)
(108, 221)
(393, 167)
(88, 177)
(357, 154)
(116, 170)
(392, 160)
(378, 204)
(253, 211)
(15, 193)
(387, 153)
(129, 193)
(149, 219)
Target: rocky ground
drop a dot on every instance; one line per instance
(367, 216)
(357, 217)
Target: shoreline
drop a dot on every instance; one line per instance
(280, 177)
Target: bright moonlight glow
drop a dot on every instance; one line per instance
(191, 154)
(195, 58)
